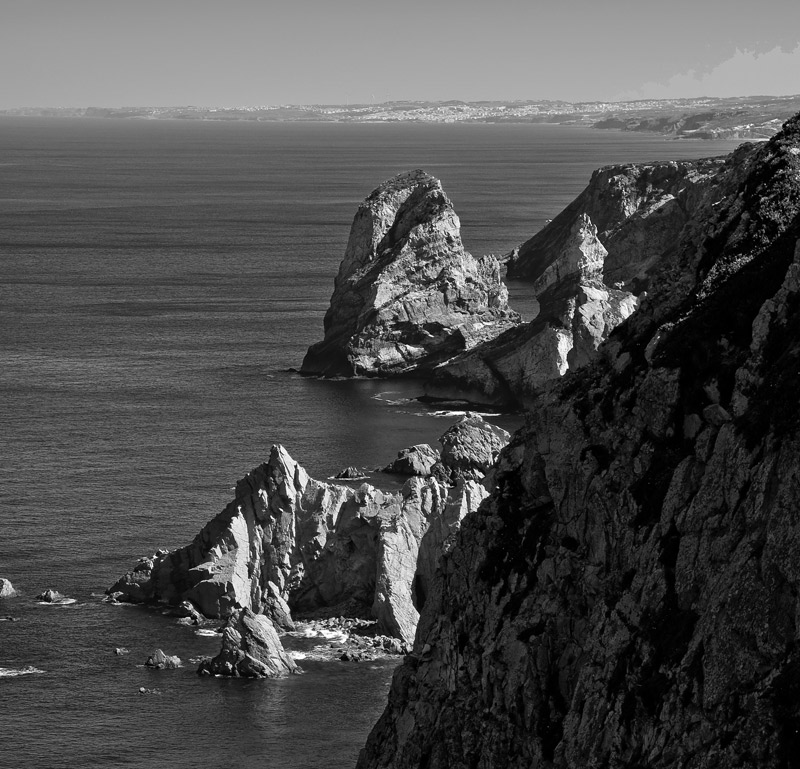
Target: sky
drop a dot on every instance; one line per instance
(79, 53)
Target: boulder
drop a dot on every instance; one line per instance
(471, 446)
(414, 460)
(407, 295)
(161, 661)
(251, 648)
(6, 589)
(52, 596)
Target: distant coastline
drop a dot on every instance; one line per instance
(747, 117)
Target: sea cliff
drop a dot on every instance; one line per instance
(627, 596)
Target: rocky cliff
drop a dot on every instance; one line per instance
(407, 295)
(588, 267)
(288, 543)
(628, 595)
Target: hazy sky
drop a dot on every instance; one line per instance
(251, 52)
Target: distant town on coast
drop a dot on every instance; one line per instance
(747, 117)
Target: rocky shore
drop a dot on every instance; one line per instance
(617, 584)
(290, 545)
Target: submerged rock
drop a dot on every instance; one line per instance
(407, 295)
(349, 474)
(628, 595)
(251, 648)
(6, 589)
(53, 596)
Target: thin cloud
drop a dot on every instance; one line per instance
(746, 73)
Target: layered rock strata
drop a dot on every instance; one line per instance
(628, 595)
(588, 268)
(407, 295)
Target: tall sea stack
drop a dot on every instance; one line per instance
(407, 295)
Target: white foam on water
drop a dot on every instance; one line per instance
(391, 401)
(12, 672)
(206, 632)
(59, 602)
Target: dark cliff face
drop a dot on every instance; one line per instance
(639, 211)
(628, 595)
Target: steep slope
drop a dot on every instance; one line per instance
(628, 595)
(588, 268)
(407, 295)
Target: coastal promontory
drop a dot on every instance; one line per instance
(628, 595)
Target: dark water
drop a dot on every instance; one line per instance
(157, 280)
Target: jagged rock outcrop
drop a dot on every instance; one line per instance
(415, 460)
(161, 661)
(290, 543)
(628, 595)
(471, 446)
(635, 211)
(6, 589)
(588, 267)
(251, 648)
(408, 295)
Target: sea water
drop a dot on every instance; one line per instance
(158, 281)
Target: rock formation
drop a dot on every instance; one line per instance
(408, 295)
(415, 460)
(6, 589)
(470, 447)
(628, 595)
(53, 596)
(290, 543)
(588, 267)
(161, 661)
(250, 649)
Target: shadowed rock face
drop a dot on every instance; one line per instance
(628, 595)
(408, 295)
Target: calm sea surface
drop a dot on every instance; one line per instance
(157, 281)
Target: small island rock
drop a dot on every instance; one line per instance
(407, 295)
(6, 589)
(251, 648)
(161, 661)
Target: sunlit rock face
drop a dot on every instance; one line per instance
(588, 269)
(627, 596)
(407, 295)
(289, 543)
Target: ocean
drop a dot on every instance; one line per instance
(158, 282)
